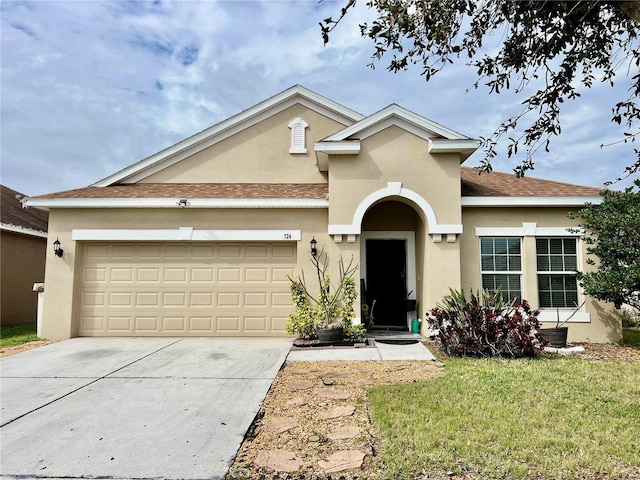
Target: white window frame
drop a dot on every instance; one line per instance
(531, 229)
(558, 272)
(501, 272)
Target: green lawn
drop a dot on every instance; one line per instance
(17, 335)
(542, 418)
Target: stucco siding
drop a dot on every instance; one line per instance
(602, 324)
(258, 154)
(394, 155)
(22, 266)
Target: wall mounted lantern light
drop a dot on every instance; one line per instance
(314, 244)
(56, 248)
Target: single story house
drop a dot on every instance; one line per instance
(200, 238)
(23, 246)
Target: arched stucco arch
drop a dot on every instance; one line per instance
(395, 189)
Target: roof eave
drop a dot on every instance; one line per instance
(23, 230)
(530, 201)
(465, 147)
(48, 203)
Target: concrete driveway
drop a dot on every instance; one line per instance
(132, 408)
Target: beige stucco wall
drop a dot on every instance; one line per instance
(394, 155)
(604, 326)
(63, 274)
(22, 265)
(259, 154)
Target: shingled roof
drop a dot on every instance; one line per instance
(200, 190)
(494, 184)
(499, 184)
(12, 213)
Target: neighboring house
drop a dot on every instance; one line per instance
(199, 239)
(23, 243)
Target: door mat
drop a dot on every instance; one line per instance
(397, 341)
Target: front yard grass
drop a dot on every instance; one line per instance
(543, 418)
(17, 335)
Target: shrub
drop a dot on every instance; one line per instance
(630, 319)
(330, 307)
(485, 325)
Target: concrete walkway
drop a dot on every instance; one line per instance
(380, 351)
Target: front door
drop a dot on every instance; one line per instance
(386, 282)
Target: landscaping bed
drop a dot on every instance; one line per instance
(396, 396)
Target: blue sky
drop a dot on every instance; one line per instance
(90, 87)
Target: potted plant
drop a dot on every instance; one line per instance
(325, 314)
(557, 336)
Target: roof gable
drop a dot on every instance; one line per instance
(441, 139)
(237, 123)
(395, 115)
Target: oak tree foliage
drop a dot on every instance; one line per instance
(549, 51)
(612, 233)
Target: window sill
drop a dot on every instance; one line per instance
(552, 316)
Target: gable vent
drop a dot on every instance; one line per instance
(298, 127)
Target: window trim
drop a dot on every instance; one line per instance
(520, 272)
(563, 272)
(530, 229)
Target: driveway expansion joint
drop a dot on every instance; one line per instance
(81, 387)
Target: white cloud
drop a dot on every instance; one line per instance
(90, 87)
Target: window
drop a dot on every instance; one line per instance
(501, 266)
(557, 261)
(298, 127)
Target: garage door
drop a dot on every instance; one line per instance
(178, 289)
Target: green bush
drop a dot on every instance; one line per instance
(485, 325)
(630, 319)
(331, 307)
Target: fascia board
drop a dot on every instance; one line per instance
(184, 234)
(338, 148)
(23, 230)
(402, 114)
(529, 201)
(48, 203)
(231, 126)
(453, 146)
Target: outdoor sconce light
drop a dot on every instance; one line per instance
(56, 248)
(314, 249)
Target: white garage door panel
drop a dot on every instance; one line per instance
(137, 289)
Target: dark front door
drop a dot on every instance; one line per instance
(386, 282)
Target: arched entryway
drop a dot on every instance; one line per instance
(391, 252)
